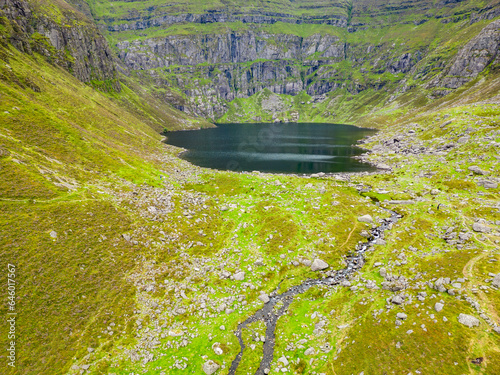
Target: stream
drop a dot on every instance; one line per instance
(270, 317)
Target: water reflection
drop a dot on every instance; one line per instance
(281, 148)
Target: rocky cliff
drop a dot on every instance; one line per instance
(215, 54)
(65, 36)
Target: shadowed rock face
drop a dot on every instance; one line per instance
(213, 68)
(474, 57)
(209, 69)
(72, 41)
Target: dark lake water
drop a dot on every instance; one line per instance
(279, 148)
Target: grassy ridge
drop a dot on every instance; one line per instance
(123, 10)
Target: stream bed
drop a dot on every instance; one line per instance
(270, 317)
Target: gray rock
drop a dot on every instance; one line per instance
(284, 361)
(365, 219)
(439, 285)
(53, 234)
(397, 300)
(370, 284)
(488, 184)
(383, 272)
(438, 306)
(264, 298)
(481, 228)
(210, 367)
(497, 329)
(365, 234)
(380, 241)
(345, 283)
(384, 166)
(309, 351)
(468, 320)
(318, 265)
(240, 276)
(476, 170)
(401, 316)
(496, 281)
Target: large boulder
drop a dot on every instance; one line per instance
(318, 265)
(496, 281)
(365, 219)
(240, 276)
(481, 228)
(468, 320)
(210, 367)
(438, 306)
(264, 298)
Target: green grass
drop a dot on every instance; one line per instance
(122, 9)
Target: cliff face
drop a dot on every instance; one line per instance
(63, 35)
(207, 55)
(214, 55)
(473, 58)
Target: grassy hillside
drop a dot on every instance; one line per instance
(64, 145)
(128, 10)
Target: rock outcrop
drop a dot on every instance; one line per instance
(65, 36)
(473, 58)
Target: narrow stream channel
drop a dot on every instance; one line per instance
(270, 318)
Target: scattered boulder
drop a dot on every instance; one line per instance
(284, 361)
(240, 276)
(309, 351)
(53, 234)
(383, 166)
(397, 300)
(318, 265)
(468, 320)
(439, 285)
(496, 281)
(210, 367)
(438, 306)
(264, 298)
(217, 349)
(383, 272)
(365, 219)
(401, 316)
(481, 228)
(488, 184)
(370, 284)
(476, 170)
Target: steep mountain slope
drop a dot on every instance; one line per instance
(221, 52)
